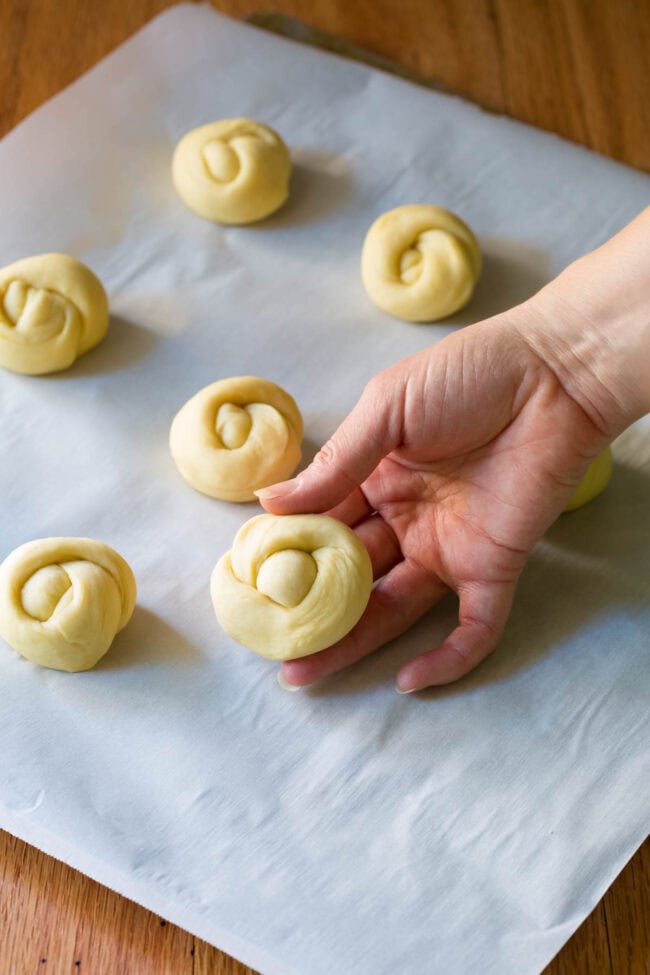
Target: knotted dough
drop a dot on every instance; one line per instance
(291, 585)
(52, 309)
(234, 171)
(236, 436)
(420, 263)
(62, 600)
(595, 481)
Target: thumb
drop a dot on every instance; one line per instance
(368, 433)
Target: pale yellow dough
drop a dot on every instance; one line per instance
(234, 171)
(420, 263)
(52, 309)
(291, 585)
(236, 436)
(62, 600)
(594, 482)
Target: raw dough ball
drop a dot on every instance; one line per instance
(236, 436)
(420, 263)
(594, 482)
(291, 585)
(233, 171)
(62, 600)
(52, 309)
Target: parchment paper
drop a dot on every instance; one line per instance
(345, 829)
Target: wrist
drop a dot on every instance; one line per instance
(591, 326)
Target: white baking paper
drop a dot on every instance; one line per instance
(345, 829)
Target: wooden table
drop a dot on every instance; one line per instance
(576, 67)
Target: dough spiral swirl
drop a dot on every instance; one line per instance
(236, 436)
(234, 171)
(62, 600)
(52, 310)
(420, 263)
(291, 585)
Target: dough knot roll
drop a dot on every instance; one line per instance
(236, 436)
(291, 585)
(420, 263)
(62, 600)
(234, 171)
(52, 310)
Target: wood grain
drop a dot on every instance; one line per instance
(55, 921)
(575, 67)
(627, 909)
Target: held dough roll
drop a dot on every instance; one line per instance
(52, 309)
(236, 436)
(235, 171)
(291, 585)
(420, 263)
(594, 482)
(62, 600)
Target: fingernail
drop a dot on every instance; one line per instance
(401, 690)
(280, 490)
(284, 683)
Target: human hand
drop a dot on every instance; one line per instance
(450, 468)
